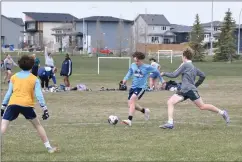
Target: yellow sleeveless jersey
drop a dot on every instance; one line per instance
(23, 91)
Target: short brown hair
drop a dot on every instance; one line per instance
(26, 62)
(188, 54)
(139, 55)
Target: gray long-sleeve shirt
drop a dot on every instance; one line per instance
(189, 73)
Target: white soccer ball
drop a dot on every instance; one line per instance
(113, 120)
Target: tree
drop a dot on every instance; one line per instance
(99, 37)
(197, 37)
(120, 36)
(226, 44)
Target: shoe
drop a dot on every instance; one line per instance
(127, 122)
(226, 116)
(147, 114)
(52, 149)
(167, 126)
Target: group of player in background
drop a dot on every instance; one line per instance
(19, 98)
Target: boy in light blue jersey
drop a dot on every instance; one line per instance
(155, 75)
(140, 73)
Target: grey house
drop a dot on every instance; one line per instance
(12, 31)
(182, 33)
(105, 32)
(154, 29)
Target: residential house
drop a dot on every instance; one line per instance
(105, 32)
(38, 27)
(12, 31)
(182, 33)
(67, 37)
(154, 29)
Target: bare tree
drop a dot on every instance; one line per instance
(120, 38)
(99, 37)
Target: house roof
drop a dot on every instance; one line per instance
(154, 19)
(18, 21)
(180, 28)
(104, 19)
(215, 23)
(51, 17)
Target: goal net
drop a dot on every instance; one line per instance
(113, 65)
(165, 54)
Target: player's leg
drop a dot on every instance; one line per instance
(151, 83)
(145, 111)
(46, 80)
(9, 75)
(5, 76)
(134, 95)
(29, 114)
(42, 82)
(202, 106)
(176, 98)
(10, 114)
(68, 82)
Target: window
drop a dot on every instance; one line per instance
(58, 31)
(167, 41)
(154, 39)
(2, 40)
(58, 39)
(163, 28)
(215, 28)
(30, 25)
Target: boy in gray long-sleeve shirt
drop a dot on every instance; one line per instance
(189, 89)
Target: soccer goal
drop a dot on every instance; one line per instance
(165, 54)
(120, 58)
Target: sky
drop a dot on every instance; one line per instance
(176, 12)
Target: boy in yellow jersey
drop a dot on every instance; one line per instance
(19, 99)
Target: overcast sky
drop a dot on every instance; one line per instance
(175, 12)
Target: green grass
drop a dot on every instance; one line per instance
(78, 120)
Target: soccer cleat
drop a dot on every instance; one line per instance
(167, 126)
(52, 149)
(147, 114)
(127, 122)
(226, 116)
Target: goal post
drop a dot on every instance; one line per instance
(169, 52)
(119, 58)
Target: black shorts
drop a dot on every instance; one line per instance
(8, 69)
(192, 95)
(139, 92)
(12, 111)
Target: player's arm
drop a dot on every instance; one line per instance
(69, 70)
(41, 100)
(128, 76)
(7, 97)
(153, 69)
(176, 73)
(46, 54)
(14, 63)
(201, 77)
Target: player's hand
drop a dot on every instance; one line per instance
(45, 115)
(124, 81)
(3, 109)
(162, 73)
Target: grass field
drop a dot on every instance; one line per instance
(78, 120)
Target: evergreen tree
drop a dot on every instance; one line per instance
(196, 39)
(226, 44)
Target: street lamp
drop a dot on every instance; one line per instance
(239, 33)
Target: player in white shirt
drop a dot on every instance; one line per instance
(155, 75)
(50, 63)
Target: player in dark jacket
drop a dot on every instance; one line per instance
(66, 71)
(45, 74)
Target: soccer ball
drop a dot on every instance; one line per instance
(113, 120)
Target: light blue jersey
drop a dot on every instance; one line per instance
(140, 75)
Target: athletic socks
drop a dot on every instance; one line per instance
(130, 118)
(221, 112)
(170, 121)
(47, 144)
(143, 110)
